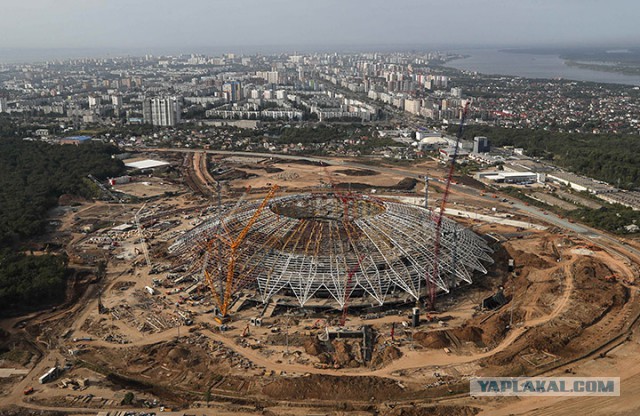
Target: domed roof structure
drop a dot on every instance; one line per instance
(335, 245)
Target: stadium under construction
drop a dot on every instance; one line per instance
(331, 247)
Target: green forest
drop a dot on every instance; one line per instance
(607, 157)
(28, 281)
(323, 134)
(33, 175)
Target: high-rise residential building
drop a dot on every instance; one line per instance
(162, 111)
(272, 77)
(412, 106)
(94, 101)
(3, 105)
(146, 111)
(481, 144)
(232, 91)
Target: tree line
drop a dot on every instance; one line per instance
(33, 175)
(608, 157)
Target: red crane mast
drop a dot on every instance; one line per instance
(431, 286)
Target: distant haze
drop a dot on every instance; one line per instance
(192, 24)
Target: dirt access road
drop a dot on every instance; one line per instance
(409, 361)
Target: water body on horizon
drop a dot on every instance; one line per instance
(526, 65)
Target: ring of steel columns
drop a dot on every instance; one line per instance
(337, 245)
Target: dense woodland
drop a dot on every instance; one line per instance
(30, 281)
(33, 175)
(610, 158)
(319, 134)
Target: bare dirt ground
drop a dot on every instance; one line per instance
(563, 310)
(147, 188)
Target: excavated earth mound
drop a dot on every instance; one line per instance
(323, 387)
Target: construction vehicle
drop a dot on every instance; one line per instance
(320, 323)
(28, 391)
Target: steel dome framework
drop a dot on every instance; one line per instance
(335, 244)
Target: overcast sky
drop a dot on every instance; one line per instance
(190, 24)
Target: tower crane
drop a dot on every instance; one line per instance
(431, 286)
(222, 295)
(232, 211)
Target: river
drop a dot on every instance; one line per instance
(526, 65)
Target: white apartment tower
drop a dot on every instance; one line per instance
(94, 101)
(162, 111)
(116, 100)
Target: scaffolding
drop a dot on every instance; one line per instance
(336, 245)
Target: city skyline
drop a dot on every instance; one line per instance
(283, 23)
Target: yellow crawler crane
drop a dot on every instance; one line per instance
(223, 299)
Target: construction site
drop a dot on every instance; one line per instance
(248, 284)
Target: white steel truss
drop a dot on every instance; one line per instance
(337, 245)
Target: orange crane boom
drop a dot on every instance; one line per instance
(234, 250)
(234, 245)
